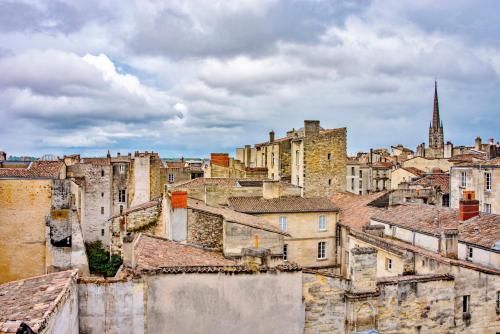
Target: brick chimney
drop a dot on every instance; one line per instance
(271, 136)
(468, 206)
(478, 145)
(179, 200)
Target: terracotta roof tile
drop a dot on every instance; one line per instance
(440, 180)
(95, 161)
(32, 300)
(354, 209)
(236, 217)
(282, 204)
(483, 230)
(154, 252)
(413, 170)
(37, 169)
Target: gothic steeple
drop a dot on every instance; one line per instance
(436, 136)
(435, 115)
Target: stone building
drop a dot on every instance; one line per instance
(311, 157)
(311, 223)
(367, 177)
(111, 185)
(436, 269)
(433, 189)
(178, 171)
(39, 225)
(219, 228)
(223, 166)
(482, 178)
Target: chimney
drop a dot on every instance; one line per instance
(478, 144)
(311, 128)
(108, 155)
(271, 136)
(271, 189)
(468, 206)
(363, 269)
(179, 200)
(450, 238)
(118, 154)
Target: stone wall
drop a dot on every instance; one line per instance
(324, 177)
(156, 186)
(120, 182)
(324, 303)
(144, 219)
(24, 207)
(141, 179)
(205, 229)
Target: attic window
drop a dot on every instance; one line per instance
(102, 172)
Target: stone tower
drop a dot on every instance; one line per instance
(436, 136)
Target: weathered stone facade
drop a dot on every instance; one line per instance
(205, 229)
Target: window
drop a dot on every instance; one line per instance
(388, 264)
(102, 232)
(272, 176)
(272, 159)
(121, 209)
(463, 179)
(298, 180)
(352, 184)
(487, 207)
(329, 182)
(297, 153)
(360, 174)
(321, 250)
(102, 210)
(285, 252)
(470, 252)
(121, 168)
(393, 230)
(498, 299)
(171, 178)
(353, 172)
(329, 156)
(322, 223)
(283, 223)
(102, 194)
(361, 192)
(121, 195)
(338, 236)
(102, 172)
(487, 181)
(466, 304)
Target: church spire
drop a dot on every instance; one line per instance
(436, 123)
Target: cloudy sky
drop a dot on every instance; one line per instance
(191, 77)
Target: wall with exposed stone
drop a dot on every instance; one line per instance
(324, 177)
(205, 229)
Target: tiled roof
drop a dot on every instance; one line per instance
(382, 164)
(201, 182)
(413, 170)
(414, 278)
(139, 207)
(175, 164)
(399, 244)
(483, 230)
(236, 217)
(490, 163)
(354, 209)
(282, 204)
(37, 169)
(154, 252)
(468, 157)
(95, 161)
(441, 180)
(32, 300)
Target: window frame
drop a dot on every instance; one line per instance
(470, 252)
(463, 179)
(466, 304)
(487, 207)
(283, 223)
(487, 181)
(388, 264)
(285, 252)
(322, 250)
(122, 195)
(325, 224)
(171, 178)
(121, 168)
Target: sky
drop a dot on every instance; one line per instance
(190, 77)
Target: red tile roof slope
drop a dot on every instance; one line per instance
(441, 180)
(282, 204)
(354, 209)
(483, 230)
(152, 252)
(32, 300)
(413, 170)
(37, 169)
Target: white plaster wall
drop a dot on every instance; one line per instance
(65, 319)
(219, 303)
(426, 241)
(404, 234)
(116, 307)
(141, 179)
(179, 224)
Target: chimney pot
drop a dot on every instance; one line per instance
(468, 206)
(179, 200)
